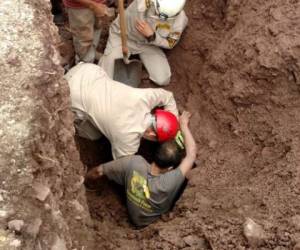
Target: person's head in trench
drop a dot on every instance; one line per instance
(152, 189)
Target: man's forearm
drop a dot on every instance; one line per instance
(95, 173)
(189, 142)
(191, 150)
(87, 3)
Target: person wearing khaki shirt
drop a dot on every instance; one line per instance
(118, 111)
(147, 34)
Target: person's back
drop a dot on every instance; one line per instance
(148, 195)
(106, 101)
(117, 110)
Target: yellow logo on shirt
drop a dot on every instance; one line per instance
(163, 26)
(138, 191)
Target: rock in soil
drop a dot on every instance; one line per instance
(296, 221)
(34, 228)
(59, 244)
(195, 241)
(16, 225)
(254, 232)
(41, 191)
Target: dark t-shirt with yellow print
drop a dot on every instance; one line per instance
(148, 196)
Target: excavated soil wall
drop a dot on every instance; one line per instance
(42, 199)
(236, 69)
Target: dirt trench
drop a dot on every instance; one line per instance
(236, 69)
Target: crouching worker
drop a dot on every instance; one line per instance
(121, 113)
(151, 190)
(151, 25)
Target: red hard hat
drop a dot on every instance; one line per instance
(167, 125)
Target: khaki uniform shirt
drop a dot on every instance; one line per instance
(120, 112)
(167, 32)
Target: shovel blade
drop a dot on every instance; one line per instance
(129, 74)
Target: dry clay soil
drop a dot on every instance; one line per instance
(237, 70)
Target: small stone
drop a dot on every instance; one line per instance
(296, 221)
(59, 244)
(254, 233)
(1, 198)
(212, 144)
(3, 213)
(110, 12)
(195, 241)
(77, 206)
(15, 243)
(47, 207)
(34, 228)
(279, 248)
(172, 237)
(297, 246)
(3, 238)
(131, 236)
(78, 184)
(16, 225)
(41, 190)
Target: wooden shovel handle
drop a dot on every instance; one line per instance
(123, 28)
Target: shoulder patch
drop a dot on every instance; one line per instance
(175, 35)
(163, 26)
(171, 42)
(173, 38)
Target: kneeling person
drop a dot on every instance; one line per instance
(151, 190)
(122, 113)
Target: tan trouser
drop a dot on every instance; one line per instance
(86, 31)
(153, 58)
(85, 126)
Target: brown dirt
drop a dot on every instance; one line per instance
(237, 71)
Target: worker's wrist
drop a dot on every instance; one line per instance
(99, 170)
(184, 126)
(151, 38)
(92, 6)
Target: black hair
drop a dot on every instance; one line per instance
(168, 154)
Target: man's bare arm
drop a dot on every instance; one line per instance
(189, 142)
(95, 173)
(114, 170)
(99, 9)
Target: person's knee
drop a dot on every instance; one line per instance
(161, 80)
(107, 63)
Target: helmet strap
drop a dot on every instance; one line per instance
(153, 122)
(163, 16)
